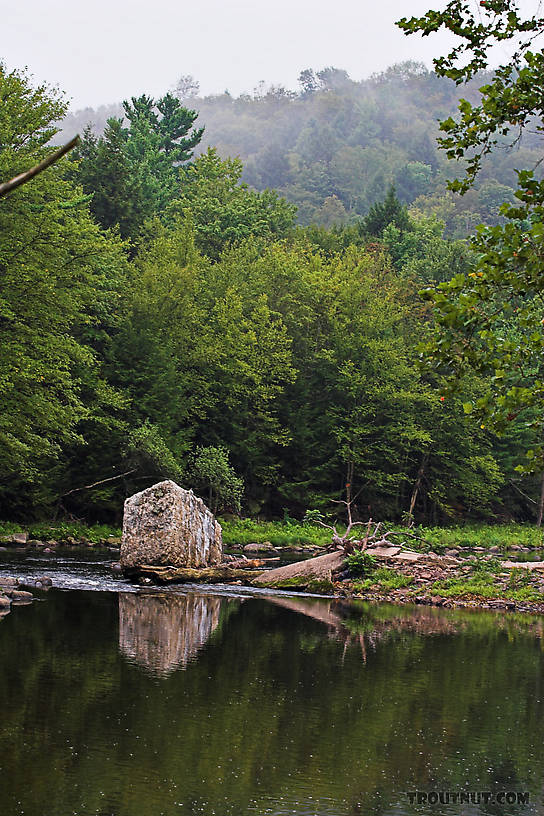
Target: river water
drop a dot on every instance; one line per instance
(125, 702)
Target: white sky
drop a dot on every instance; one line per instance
(106, 50)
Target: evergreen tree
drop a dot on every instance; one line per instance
(388, 211)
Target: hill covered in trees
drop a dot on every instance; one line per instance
(335, 147)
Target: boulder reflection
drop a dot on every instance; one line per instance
(165, 632)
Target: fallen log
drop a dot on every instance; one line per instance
(313, 569)
(188, 575)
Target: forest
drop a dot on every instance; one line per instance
(234, 293)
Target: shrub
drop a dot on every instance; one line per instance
(361, 564)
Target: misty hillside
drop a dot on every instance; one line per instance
(336, 146)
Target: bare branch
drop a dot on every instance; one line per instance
(8, 186)
(102, 481)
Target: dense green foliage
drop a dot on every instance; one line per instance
(262, 363)
(59, 293)
(490, 320)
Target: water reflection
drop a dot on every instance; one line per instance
(277, 715)
(367, 625)
(166, 632)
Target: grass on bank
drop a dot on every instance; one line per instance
(291, 533)
(438, 539)
(483, 535)
(288, 533)
(482, 586)
(383, 579)
(61, 531)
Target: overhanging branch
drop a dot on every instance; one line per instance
(9, 186)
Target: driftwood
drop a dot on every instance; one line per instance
(188, 575)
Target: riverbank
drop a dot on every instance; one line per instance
(483, 567)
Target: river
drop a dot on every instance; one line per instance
(126, 702)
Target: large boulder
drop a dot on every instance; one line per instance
(168, 526)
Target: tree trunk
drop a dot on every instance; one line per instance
(417, 486)
(541, 505)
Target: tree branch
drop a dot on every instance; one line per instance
(8, 186)
(102, 481)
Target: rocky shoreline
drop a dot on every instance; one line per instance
(14, 592)
(394, 575)
(24, 541)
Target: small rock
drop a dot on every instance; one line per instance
(117, 568)
(52, 544)
(408, 555)
(8, 582)
(452, 552)
(5, 602)
(385, 552)
(19, 596)
(19, 538)
(266, 546)
(46, 581)
(34, 542)
(494, 549)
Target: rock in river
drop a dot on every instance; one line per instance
(166, 525)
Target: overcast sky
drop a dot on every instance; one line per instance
(103, 51)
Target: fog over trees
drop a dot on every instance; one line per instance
(336, 146)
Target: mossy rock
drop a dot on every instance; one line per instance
(301, 583)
